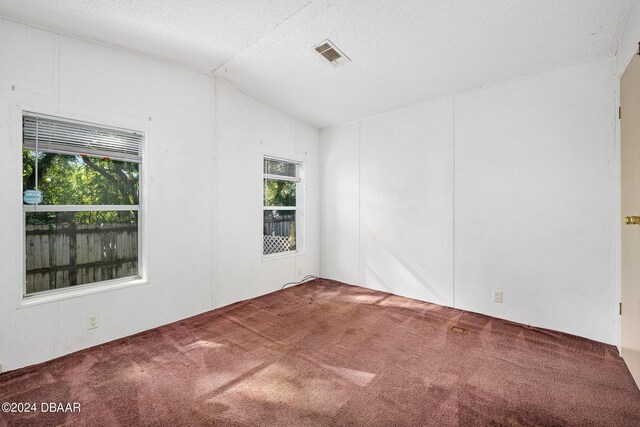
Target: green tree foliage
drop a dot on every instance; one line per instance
(80, 180)
(279, 193)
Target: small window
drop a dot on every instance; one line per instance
(81, 201)
(281, 188)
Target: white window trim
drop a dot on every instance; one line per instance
(279, 208)
(79, 208)
(281, 255)
(78, 291)
(282, 177)
(28, 300)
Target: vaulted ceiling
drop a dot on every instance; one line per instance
(401, 51)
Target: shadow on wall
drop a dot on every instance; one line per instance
(401, 274)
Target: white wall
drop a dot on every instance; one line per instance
(516, 180)
(630, 38)
(246, 130)
(387, 204)
(340, 203)
(66, 77)
(406, 204)
(534, 201)
(70, 78)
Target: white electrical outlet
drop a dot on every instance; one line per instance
(497, 296)
(92, 321)
(299, 270)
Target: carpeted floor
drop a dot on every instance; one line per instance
(325, 353)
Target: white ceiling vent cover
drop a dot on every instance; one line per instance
(331, 53)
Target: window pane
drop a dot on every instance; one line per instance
(74, 248)
(279, 231)
(65, 179)
(279, 193)
(279, 167)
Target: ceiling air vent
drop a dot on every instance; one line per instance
(331, 53)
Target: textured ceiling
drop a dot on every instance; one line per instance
(199, 33)
(406, 51)
(402, 51)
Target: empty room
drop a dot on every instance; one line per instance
(320, 212)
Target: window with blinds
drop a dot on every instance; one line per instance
(81, 201)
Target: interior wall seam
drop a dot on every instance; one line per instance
(453, 204)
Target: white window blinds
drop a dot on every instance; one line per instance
(43, 133)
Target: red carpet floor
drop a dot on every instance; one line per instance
(325, 353)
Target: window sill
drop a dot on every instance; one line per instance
(66, 293)
(281, 255)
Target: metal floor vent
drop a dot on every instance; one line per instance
(331, 53)
(458, 329)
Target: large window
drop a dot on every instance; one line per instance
(281, 198)
(81, 202)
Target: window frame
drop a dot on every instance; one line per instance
(299, 208)
(93, 287)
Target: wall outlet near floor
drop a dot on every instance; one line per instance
(497, 296)
(299, 270)
(92, 321)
